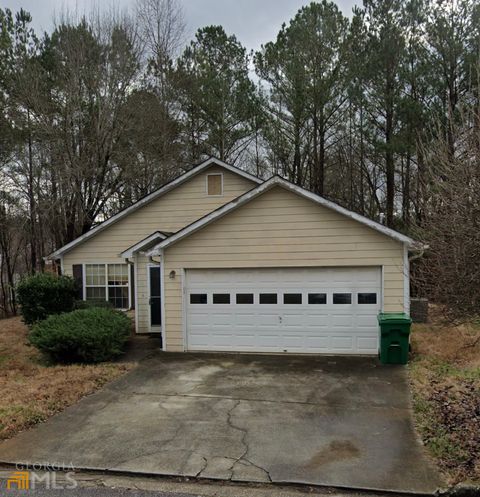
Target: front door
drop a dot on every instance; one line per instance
(155, 299)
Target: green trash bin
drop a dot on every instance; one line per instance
(394, 337)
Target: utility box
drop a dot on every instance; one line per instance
(419, 310)
(394, 337)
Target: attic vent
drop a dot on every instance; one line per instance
(215, 184)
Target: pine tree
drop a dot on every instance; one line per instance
(217, 98)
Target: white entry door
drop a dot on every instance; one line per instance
(302, 310)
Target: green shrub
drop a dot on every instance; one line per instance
(44, 294)
(88, 304)
(84, 335)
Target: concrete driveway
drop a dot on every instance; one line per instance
(342, 422)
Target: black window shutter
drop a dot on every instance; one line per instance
(77, 270)
(132, 285)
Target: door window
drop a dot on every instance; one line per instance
(155, 296)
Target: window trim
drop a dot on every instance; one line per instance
(221, 184)
(106, 286)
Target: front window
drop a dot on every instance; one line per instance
(107, 282)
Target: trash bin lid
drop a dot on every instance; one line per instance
(394, 318)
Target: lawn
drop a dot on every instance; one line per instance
(32, 390)
(445, 380)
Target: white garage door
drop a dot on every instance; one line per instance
(306, 310)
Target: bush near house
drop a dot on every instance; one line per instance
(33, 390)
(88, 304)
(85, 335)
(44, 294)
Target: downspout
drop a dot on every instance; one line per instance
(419, 252)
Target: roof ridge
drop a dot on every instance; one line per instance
(260, 189)
(170, 185)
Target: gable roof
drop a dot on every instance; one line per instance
(212, 161)
(259, 190)
(149, 240)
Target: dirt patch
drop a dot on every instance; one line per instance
(337, 450)
(445, 381)
(32, 390)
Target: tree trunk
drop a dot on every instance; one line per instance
(321, 158)
(31, 201)
(389, 158)
(406, 192)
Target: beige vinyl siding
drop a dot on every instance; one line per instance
(280, 228)
(171, 212)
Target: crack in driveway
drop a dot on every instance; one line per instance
(321, 403)
(243, 457)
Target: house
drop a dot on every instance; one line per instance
(221, 260)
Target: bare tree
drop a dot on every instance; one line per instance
(449, 272)
(96, 65)
(162, 29)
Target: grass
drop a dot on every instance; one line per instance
(445, 382)
(32, 390)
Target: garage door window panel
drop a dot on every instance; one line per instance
(268, 298)
(367, 298)
(198, 298)
(244, 298)
(292, 298)
(317, 298)
(342, 298)
(221, 298)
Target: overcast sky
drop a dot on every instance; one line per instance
(254, 22)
